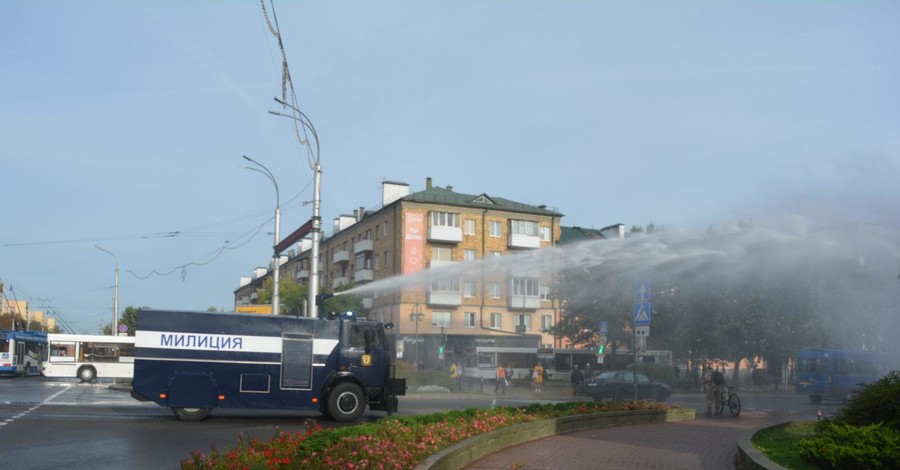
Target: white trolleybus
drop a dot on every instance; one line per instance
(88, 357)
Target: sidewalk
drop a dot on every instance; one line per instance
(551, 390)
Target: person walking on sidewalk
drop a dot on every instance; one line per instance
(538, 374)
(577, 379)
(501, 381)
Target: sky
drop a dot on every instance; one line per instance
(123, 125)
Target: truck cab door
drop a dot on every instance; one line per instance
(366, 353)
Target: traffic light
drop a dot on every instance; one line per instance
(441, 349)
(601, 348)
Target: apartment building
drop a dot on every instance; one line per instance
(441, 318)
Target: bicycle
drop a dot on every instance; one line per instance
(731, 399)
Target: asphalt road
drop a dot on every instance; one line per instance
(47, 423)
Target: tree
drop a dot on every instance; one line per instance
(292, 296)
(128, 318)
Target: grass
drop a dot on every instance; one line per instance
(779, 444)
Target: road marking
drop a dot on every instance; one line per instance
(33, 408)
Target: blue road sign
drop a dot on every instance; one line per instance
(642, 314)
(642, 291)
(603, 328)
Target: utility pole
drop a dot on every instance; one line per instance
(115, 322)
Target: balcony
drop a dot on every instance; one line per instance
(524, 241)
(363, 275)
(341, 257)
(362, 246)
(441, 233)
(449, 299)
(524, 302)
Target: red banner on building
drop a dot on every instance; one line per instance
(413, 242)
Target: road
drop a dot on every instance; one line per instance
(51, 423)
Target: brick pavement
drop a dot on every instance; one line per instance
(709, 442)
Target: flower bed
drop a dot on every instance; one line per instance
(390, 443)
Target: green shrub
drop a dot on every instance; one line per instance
(877, 402)
(842, 446)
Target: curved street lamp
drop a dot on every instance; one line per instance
(275, 291)
(115, 322)
(305, 123)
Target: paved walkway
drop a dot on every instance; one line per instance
(708, 442)
(704, 443)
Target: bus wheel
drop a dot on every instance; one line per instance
(191, 414)
(815, 399)
(87, 373)
(345, 403)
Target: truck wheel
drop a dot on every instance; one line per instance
(191, 414)
(346, 403)
(87, 373)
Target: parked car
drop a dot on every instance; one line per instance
(619, 385)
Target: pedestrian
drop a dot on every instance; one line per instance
(460, 374)
(501, 381)
(588, 372)
(454, 372)
(509, 375)
(538, 376)
(718, 381)
(577, 379)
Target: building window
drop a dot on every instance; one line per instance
(546, 322)
(496, 229)
(525, 286)
(363, 261)
(386, 259)
(469, 226)
(449, 284)
(377, 229)
(368, 234)
(496, 291)
(470, 319)
(524, 227)
(495, 320)
(468, 255)
(384, 228)
(439, 319)
(444, 219)
(545, 293)
(469, 289)
(439, 253)
(523, 319)
(545, 234)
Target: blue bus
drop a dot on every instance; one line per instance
(836, 374)
(21, 352)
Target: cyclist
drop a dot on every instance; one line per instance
(718, 381)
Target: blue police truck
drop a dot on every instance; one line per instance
(193, 362)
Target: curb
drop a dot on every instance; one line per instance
(467, 451)
(751, 459)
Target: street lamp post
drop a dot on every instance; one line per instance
(115, 322)
(416, 315)
(275, 258)
(306, 125)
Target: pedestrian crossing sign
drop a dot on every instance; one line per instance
(642, 314)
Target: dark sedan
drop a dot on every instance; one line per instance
(619, 385)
